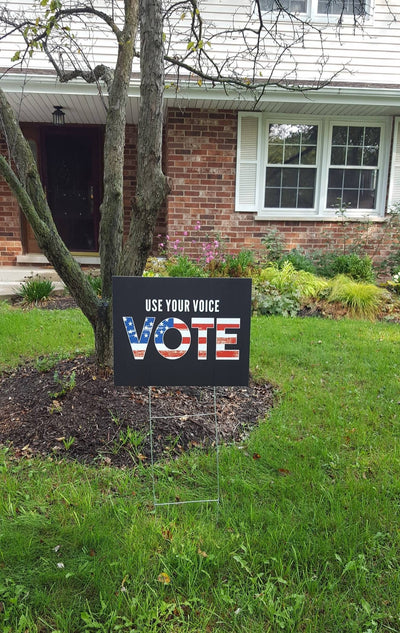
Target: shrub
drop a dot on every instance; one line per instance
(35, 290)
(331, 263)
(182, 266)
(299, 260)
(392, 263)
(362, 299)
(274, 245)
(239, 265)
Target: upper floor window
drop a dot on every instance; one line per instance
(292, 6)
(337, 8)
(341, 7)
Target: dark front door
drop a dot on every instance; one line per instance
(72, 177)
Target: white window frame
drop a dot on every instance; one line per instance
(288, 120)
(320, 210)
(328, 18)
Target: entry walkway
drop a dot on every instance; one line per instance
(11, 278)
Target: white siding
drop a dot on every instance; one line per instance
(368, 55)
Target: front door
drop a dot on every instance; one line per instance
(72, 180)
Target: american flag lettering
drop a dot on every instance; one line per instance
(139, 345)
(221, 353)
(166, 352)
(202, 325)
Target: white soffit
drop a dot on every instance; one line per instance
(33, 98)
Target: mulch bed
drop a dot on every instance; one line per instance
(95, 422)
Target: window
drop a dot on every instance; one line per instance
(314, 8)
(353, 170)
(291, 6)
(341, 7)
(308, 168)
(291, 166)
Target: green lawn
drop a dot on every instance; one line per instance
(307, 537)
(34, 332)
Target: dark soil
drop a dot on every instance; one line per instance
(74, 410)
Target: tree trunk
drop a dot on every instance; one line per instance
(152, 188)
(112, 208)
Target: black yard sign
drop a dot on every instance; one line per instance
(181, 331)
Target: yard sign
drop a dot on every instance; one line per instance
(170, 331)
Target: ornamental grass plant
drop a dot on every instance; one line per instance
(363, 300)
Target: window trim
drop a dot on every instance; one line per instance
(325, 124)
(324, 18)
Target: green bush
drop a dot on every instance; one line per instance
(392, 263)
(274, 245)
(331, 263)
(299, 260)
(239, 265)
(362, 299)
(35, 290)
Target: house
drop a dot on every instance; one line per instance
(240, 164)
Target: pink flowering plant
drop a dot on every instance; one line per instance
(209, 252)
(210, 258)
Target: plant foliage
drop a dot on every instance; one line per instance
(288, 279)
(331, 264)
(36, 289)
(182, 266)
(362, 299)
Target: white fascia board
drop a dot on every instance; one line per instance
(273, 94)
(43, 84)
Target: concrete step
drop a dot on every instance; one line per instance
(11, 278)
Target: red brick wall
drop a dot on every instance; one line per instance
(201, 163)
(10, 223)
(200, 160)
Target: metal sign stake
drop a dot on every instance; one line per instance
(215, 416)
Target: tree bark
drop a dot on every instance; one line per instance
(112, 207)
(152, 188)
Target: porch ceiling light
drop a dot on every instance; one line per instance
(58, 115)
